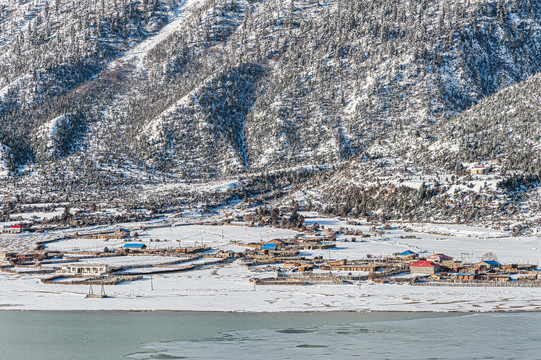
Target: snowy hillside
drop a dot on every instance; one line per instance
(340, 98)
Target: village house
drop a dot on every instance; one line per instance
(479, 170)
(495, 277)
(528, 277)
(118, 234)
(337, 262)
(229, 254)
(84, 269)
(452, 266)
(275, 253)
(487, 265)
(407, 255)
(315, 245)
(30, 257)
(121, 234)
(19, 228)
(465, 276)
(279, 242)
(306, 267)
(425, 267)
(526, 267)
(269, 247)
(439, 258)
(134, 246)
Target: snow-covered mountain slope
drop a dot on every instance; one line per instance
(200, 89)
(315, 82)
(504, 127)
(433, 176)
(48, 49)
(326, 94)
(139, 52)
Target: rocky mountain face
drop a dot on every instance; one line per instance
(118, 92)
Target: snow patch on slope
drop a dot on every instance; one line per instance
(12, 85)
(139, 52)
(48, 132)
(153, 130)
(4, 157)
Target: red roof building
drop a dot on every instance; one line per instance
(425, 267)
(19, 228)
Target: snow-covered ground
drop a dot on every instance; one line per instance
(38, 215)
(181, 236)
(226, 287)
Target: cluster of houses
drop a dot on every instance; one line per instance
(436, 267)
(443, 267)
(286, 255)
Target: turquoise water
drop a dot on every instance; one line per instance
(175, 335)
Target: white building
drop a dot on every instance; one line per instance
(84, 269)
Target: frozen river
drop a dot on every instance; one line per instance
(338, 335)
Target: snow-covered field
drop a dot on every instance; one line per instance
(226, 287)
(181, 236)
(459, 241)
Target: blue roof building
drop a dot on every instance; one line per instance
(135, 246)
(269, 247)
(407, 253)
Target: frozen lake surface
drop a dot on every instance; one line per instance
(209, 335)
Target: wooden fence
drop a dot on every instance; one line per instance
(532, 284)
(91, 281)
(34, 271)
(287, 279)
